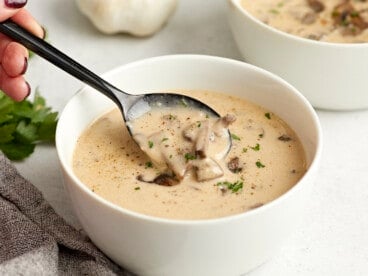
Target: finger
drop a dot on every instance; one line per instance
(4, 42)
(14, 60)
(17, 88)
(8, 8)
(26, 20)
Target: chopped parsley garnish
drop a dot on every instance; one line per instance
(149, 164)
(150, 144)
(268, 115)
(172, 117)
(260, 135)
(137, 188)
(274, 11)
(189, 156)
(259, 164)
(245, 150)
(24, 124)
(199, 124)
(233, 187)
(235, 137)
(335, 13)
(256, 147)
(164, 139)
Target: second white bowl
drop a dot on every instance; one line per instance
(330, 75)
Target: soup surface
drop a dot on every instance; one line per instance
(266, 159)
(339, 21)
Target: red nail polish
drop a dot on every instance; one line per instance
(29, 90)
(15, 4)
(25, 66)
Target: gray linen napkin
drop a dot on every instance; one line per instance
(34, 240)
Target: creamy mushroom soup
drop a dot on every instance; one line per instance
(179, 171)
(341, 21)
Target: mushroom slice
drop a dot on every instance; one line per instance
(207, 169)
(199, 134)
(316, 5)
(176, 164)
(234, 166)
(222, 124)
(191, 132)
(202, 140)
(162, 179)
(346, 16)
(165, 180)
(284, 138)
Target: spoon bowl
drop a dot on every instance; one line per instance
(131, 106)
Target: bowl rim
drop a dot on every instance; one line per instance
(295, 38)
(314, 162)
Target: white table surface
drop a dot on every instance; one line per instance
(333, 238)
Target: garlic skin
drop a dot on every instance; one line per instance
(137, 17)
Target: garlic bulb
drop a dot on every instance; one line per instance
(137, 17)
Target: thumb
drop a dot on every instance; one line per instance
(8, 8)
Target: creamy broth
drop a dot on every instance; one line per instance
(266, 159)
(339, 21)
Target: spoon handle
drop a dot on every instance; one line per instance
(58, 58)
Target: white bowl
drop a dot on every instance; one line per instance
(330, 75)
(225, 246)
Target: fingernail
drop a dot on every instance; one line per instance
(25, 66)
(15, 4)
(44, 32)
(29, 90)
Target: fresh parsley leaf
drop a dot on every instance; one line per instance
(26, 133)
(7, 133)
(149, 164)
(256, 147)
(268, 115)
(150, 144)
(235, 137)
(274, 11)
(233, 187)
(189, 156)
(47, 128)
(17, 151)
(259, 164)
(24, 124)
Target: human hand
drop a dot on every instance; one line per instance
(14, 56)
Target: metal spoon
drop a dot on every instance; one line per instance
(131, 106)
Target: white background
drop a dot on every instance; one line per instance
(333, 238)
